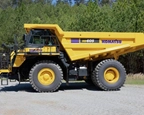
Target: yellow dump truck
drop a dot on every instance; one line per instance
(50, 55)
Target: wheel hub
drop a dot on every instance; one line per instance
(111, 75)
(46, 76)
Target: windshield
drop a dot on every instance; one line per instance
(46, 40)
(42, 37)
(36, 40)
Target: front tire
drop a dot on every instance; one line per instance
(109, 75)
(45, 76)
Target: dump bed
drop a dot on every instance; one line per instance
(94, 45)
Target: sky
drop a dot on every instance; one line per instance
(56, 0)
(73, 1)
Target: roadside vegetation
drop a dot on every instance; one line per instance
(135, 79)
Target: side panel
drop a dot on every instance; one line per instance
(44, 49)
(5, 71)
(97, 45)
(18, 60)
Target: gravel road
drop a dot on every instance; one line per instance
(75, 99)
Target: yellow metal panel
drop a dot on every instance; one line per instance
(12, 55)
(49, 49)
(54, 27)
(19, 60)
(44, 49)
(49, 54)
(5, 71)
(22, 54)
(110, 49)
(80, 50)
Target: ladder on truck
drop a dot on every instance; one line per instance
(4, 63)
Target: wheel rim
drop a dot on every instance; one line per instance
(111, 75)
(46, 76)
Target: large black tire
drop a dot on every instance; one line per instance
(51, 70)
(109, 75)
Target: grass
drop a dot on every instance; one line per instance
(135, 79)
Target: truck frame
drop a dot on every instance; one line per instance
(50, 55)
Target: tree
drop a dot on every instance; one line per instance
(78, 2)
(85, 15)
(5, 3)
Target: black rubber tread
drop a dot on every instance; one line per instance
(98, 75)
(35, 87)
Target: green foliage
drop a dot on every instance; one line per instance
(5, 3)
(85, 15)
(135, 79)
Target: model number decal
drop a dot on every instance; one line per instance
(89, 40)
(112, 41)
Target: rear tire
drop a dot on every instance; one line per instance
(45, 76)
(109, 75)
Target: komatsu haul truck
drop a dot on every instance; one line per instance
(50, 55)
